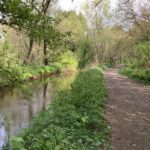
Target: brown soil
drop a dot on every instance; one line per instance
(128, 112)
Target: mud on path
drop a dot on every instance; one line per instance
(128, 112)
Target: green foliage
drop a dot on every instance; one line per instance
(44, 29)
(37, 26)
(65, 57)
(138, 74)
(20, 13)
(139, 67)
(8, 76)
(18, 74)
(73, 24)
(8, 57)
(67, 60)
(74, 120)
(103, 66)
(17, 143)
(85, 53)
(141, 55)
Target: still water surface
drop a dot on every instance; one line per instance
(18, 105)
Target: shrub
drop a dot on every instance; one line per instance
(139, 67)
(85, 53)
(137, 74)
(17, 74)
(142, 55)
(103, 66)
(68, 60)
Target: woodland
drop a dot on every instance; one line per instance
(38, 39)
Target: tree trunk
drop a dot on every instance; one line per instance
(44, 10)
(27, 59)
(45, 54)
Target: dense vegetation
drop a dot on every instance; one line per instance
(74, 120)
(20, 74)
(12, 70)
(39, 39)
(112, 37)
(139, 67)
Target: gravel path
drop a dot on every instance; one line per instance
(128, 112)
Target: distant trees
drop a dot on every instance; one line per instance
(74, 25)
(130, 34)
(77, 40)
(115, 35)
(98, 39)
(136, 16)
(98, 13)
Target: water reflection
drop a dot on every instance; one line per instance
(19, 105)
(3, 134)
(45, 86)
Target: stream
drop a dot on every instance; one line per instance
(21, 103)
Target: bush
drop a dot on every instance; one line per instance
(74, 120)
(18, 74)
(137, 74)
(85, 53)
(139, 67)
(142, 55)
(67, 60)
(8, 56)
(103, 66)
(8, 76)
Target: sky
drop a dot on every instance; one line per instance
(77, 4)
(69, 5)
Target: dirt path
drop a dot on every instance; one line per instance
(128, 112)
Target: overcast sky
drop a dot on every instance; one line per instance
(69, 5)
(77, 4)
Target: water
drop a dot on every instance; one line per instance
(18, 105)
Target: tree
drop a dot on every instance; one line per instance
(32, 18)
(136, 17)
(74, 25)
(98, 12)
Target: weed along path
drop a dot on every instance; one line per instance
(128, 112)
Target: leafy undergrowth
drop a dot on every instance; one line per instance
(138, 67)
(103, 66)
(142, 75)
(19, 74)
(74, 120)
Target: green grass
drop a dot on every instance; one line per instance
(141, 75)
(18, 74)
(73, 121)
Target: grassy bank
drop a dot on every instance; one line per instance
(142, 75)
(74, 120)
(18, 74)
